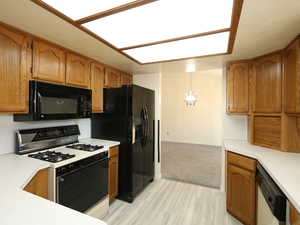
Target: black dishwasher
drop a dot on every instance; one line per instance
(274, 198)
(82, 184)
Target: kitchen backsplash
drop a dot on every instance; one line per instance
(8, 128)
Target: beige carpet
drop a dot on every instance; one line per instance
(192, 163)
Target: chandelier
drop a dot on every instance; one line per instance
(190, 97)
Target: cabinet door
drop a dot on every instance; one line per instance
(241, 194)
(39, 184)
(113, 177)
(294, 215)
(49, 63)
(238, 88)
(112, 78)
(13, 72)
(267, 84)
(292, 78)
(78, 71)
(126, 79)
(97, 85)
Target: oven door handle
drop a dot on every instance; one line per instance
(81, 167)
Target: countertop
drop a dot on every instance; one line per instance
(283, 167)
(18, 207)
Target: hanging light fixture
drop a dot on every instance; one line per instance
(190, 97)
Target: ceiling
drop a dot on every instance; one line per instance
(265, 26)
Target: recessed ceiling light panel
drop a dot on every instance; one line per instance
(162, 20)
(187, 48)
(77, 9)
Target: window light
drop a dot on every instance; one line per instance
(161, 20)
(77, 9)
(192, 47)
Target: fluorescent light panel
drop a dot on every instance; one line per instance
(161, 20)
(192, 47)
(77, 9)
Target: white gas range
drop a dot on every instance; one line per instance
(78, 169)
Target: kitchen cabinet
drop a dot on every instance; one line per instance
(39, 184)
(113, 173)
(238, 88)
(294, 216)
(267, 84)
(126, 79)
(112, 78)
(48, 63)
(77, 71)
(292, 77)
(13, 72)
(267, 131)
(97, 85)
(241, 188)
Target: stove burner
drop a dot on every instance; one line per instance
(51, 156)
(85, 147)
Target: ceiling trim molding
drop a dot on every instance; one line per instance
(235, 19)
(69, 20)
(115, 10)
(177, 39)
(236, 12)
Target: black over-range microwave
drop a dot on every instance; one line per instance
(55, 102)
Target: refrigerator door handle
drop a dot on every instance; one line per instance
(133, 134)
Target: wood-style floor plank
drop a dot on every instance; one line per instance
(166, 202)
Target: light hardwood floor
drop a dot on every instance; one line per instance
(166, 202)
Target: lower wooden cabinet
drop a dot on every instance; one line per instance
(113, 173)
(294, 216)
(39, 184)
(241, 188)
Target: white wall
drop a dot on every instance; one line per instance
(152, 81)
(199, 124)
(8, 128)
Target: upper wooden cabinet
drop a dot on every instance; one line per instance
(267, 131)
(267, 84)
(238, 88)
(97, 85)
(77, 71)
(13, 72)
(126, 79)
(241, 204)
(48, 63)
(292, 77)
(112, 78)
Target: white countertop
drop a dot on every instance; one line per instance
(18, 207)
(283, 167)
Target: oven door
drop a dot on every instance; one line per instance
(83, 187)
(61, 102)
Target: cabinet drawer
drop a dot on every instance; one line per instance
(114, 151)
(241, 161)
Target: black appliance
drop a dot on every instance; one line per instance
(130, 119)
(34, 140)
(54, 102)
(86, 147)
(80, 185)
(274, 197)
(51, 156)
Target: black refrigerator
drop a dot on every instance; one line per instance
(129, 117)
